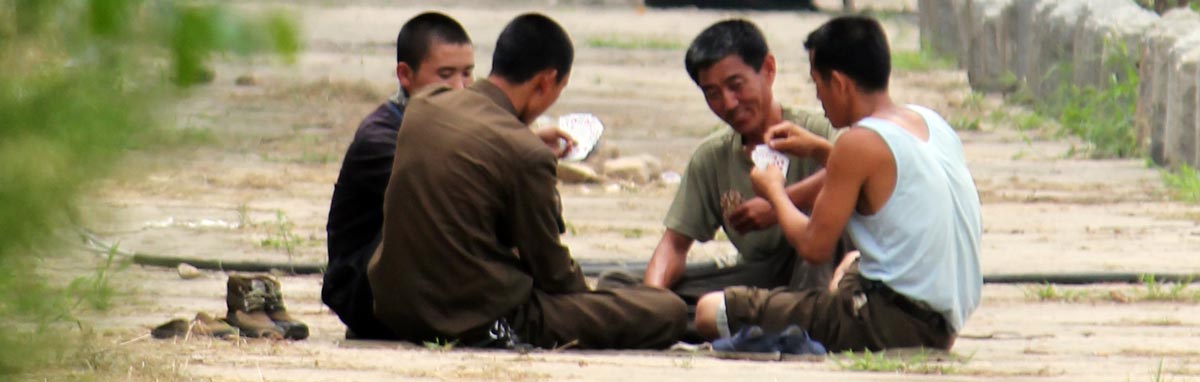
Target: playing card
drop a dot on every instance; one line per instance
(585, 129)
(763, 156)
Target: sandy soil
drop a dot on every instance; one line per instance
(278, 146)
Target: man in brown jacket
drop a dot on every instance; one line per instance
(431, 49)
(471, 249)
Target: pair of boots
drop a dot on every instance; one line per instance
(202, 325)
(256, 308)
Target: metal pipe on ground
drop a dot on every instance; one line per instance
(593, 268)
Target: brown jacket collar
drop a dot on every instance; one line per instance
(492, 92)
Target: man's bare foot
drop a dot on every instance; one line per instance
(841, 270)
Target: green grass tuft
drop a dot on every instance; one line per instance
(1184, 183)
(920, 61)
(613, 42)
(919, 363)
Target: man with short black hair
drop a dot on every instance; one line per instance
(898, 182)
(431, 49)
(733, 66)
(471, 246)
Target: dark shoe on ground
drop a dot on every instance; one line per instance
(246, 298)
(750, 339)
(211, 326)
(175, 328)
(794, 340)
(293, 329)
(497, 335)
(202, 325)
(255, 325)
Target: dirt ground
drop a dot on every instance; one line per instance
(260, 191)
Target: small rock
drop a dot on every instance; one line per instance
(602, 153)
(612, 188)
(637, 169)
(653, 165)
(188, 272)
(577, 173)
(1119, 297)
(246, 80)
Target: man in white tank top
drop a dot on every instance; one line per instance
(896, 179)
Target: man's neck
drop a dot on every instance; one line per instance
(870, 104)
(774, 117)
(517, 95)
(400, 98)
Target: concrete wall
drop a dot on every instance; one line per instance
(1040, 45)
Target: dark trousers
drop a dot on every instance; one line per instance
(347, 292)
(633, 317)
(785, 270)
(782, 270)
(861, 314)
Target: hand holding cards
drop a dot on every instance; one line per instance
(585, 129)
(763, 156)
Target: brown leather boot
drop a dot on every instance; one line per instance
(293, 329)
(175, 328)
(246, 297)
(203, 325)
(209, 325)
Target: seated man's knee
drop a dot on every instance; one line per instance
(707, 309)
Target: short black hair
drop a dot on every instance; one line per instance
(531, 43)
(422, 31)
(855, 46)
(735, 36)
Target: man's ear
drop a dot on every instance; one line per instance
(406, 75)
(546, 80)
(768, 69)
(840, 82)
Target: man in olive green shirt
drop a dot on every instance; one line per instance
(732, 65)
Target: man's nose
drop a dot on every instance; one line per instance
(730, 99)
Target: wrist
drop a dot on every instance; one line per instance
(821, 154)
(778, 196)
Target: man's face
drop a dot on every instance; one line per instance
(737, 93)
(834, 95)
(831, 100)
(445, 63)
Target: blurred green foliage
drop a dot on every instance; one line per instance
(1102, 115)
(923, 60)
(83, 82)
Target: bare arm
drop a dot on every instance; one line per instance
(757, 213)
(669, 259)
(803, 194)
(849, 165)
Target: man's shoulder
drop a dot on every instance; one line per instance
(467, 112)
(381, 124)
(716, 143)
(860, 147)
(430, 92)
